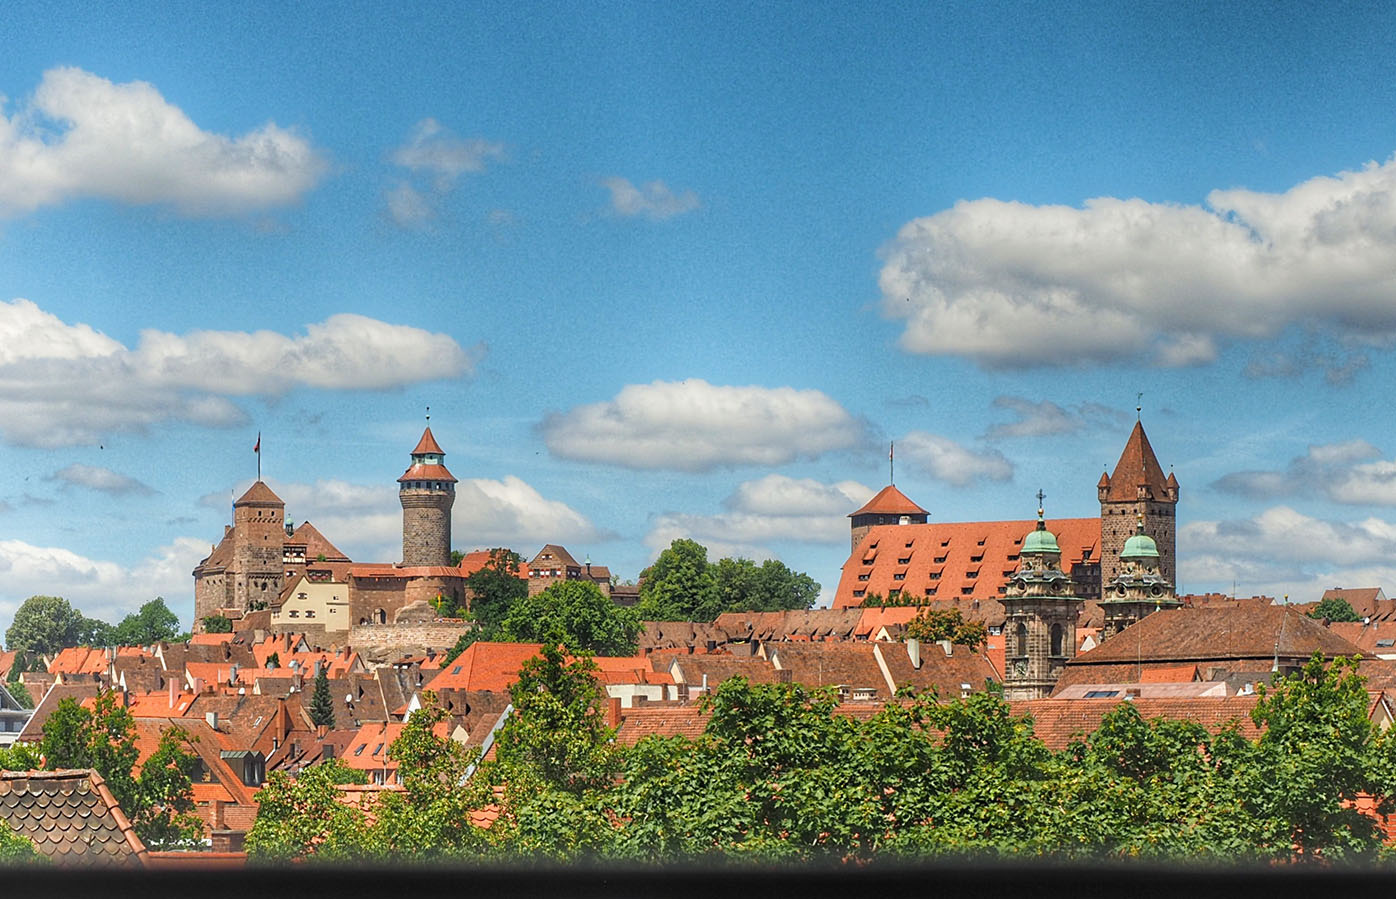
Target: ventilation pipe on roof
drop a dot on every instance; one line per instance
(913, 651)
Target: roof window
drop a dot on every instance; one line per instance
(359, 750)
(1101, 694)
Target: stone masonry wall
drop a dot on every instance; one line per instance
(1119, 522)
(388, 642)
(426, 528)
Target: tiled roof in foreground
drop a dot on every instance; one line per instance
(71, 818)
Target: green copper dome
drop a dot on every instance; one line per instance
(1041, 540)
(1140, 546)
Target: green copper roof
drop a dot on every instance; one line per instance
(1041, 540)
(1140, 546)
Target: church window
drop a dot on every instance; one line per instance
(1058, 639)
(1020, 639)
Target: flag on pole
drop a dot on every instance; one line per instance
(257, 447)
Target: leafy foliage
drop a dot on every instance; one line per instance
(44, 624)
(1334, 608)
(682, 585)
(575, 613)
(217, 624)
(15, 849)
(493, 590)
(160, 801)
(304, 818)
(152, 623)
(946, 624)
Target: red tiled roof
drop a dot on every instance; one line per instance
(384, 569)
(427, 473)
(952, 557)
(1137, 466)
(316, 544)
(428, 444)
(259, 494)
(1057, 722)
(485, 666)
(890, 501)
(79, 660)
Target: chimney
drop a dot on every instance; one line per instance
(198, 684)
(174, 693)
(212, 719)
(219, 823)
(613, 712)
(913, 651)
(712, 646)
(947, 646)
(321, 730)
(783, 676)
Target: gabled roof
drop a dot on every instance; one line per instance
(1239, 630)
(315, 544)
(71, 818)
(428, 444)
(563, 557)
(890, 501)
(259, 494)
(1137, 466)
(485, 666)
(950, 558)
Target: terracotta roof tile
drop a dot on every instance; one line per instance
(1057, 722)
(1137, 466)
(259, 494)
(71, 817)
(941, 556)
(889, 501)
(428, 444)
(427, 473)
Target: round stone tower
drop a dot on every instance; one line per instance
(427, 492)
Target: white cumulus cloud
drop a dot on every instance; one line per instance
(956, 464)
(83, 136)
(433, 153)
(65, 384)
(1351, 472)
(653, 200)
(765, 510)
(98, 588)
(104, 480)
(692, 425)
(1012, 284)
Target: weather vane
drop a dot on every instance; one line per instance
(1139, 405)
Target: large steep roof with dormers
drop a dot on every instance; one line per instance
(952, 560)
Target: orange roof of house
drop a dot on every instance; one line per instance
(485, 666)
(1137, 466)
(890, 501)
(475, 560)
(210, 639)
(1169, 674)
(952, 560)
(79, 660)
(316, 544)
(369, 748)
(428, 444)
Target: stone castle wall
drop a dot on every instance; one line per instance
(388, 642)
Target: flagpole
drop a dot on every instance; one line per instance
(258, 450)
(891, 462)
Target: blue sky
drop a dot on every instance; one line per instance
(669, 270)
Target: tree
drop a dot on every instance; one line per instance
(946, 624)
(495, 588)
(304, 818)
(576, 613)
(321, 704)
(1334, 608)
(677, 584)
(44, 624)
(159, 802)
(153, 623)
(217, 624)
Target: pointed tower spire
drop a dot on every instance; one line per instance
(1137, 498)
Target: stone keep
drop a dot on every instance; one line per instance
(427, 491)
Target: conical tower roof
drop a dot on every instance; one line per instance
(428, 444)
(259, 494)
(1138, 465)
(890, 501)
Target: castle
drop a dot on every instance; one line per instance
(262, 558)
(898, 555)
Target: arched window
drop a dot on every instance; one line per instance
(1058, 638)
(382, 616)
(1020, 639)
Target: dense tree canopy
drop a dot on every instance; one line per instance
(152, 623)
(1334, 608)
(780, 775)
(575, 613)
(947, 624)
(682, 585)
(44, 624)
